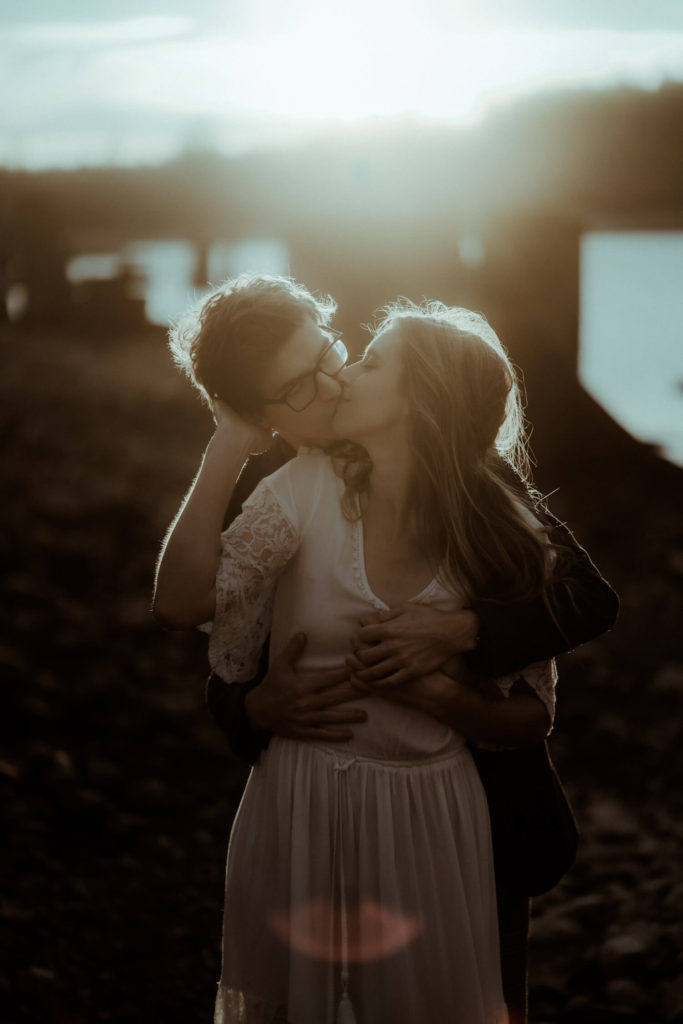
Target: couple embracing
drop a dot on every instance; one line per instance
(387, 552)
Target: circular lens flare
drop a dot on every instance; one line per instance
(373, 931)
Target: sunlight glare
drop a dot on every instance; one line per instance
(139, 88)
(363, 60)
(381, 61)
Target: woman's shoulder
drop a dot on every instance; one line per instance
(302, 483)
(310, 466)
(314, 459)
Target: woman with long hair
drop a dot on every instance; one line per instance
(360, 882)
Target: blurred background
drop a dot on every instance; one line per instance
(521, 158)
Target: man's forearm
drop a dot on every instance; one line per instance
(516, 721)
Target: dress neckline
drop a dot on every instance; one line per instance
(362, 577)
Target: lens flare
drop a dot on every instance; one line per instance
(373, 931)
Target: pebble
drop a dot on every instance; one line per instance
(669, 679)
(610, 817)
(625, 994)
(552, 927)
(672, 999)
(627, 946)
(43, 973)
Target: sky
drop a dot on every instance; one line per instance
(97, 83)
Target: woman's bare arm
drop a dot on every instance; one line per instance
(184, 590)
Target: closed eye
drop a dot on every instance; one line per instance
(296, 382)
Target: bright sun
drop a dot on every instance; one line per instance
(379, 58)
(371, 60)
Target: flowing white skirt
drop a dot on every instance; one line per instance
(360, 890)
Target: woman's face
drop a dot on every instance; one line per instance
(373, 402)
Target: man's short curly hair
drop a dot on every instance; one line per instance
(225, 341)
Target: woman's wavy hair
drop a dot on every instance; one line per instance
(471, 482)
(227, 339)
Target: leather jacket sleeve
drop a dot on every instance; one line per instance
(226, 704)
(226, 701)
(581, 606)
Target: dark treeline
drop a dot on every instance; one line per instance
(610, 155)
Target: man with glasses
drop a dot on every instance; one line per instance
(302, 391)
(262, 351)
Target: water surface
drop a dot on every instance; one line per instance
(631, 335)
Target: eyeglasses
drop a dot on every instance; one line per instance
(303, 391)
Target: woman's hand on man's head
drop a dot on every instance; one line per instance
(255, 437)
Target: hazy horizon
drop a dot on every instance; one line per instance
(93, 89)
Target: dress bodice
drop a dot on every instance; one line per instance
(323, 592)
(294, 563)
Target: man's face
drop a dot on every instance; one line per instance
(297, 359)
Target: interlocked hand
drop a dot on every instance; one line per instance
(409, 641)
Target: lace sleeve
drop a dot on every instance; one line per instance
(256, 548)
(541, 677)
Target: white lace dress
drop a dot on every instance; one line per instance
(359, 883)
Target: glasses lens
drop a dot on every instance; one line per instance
(334, 358)
(302, 394)
(331, 362)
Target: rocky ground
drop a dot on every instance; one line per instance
(117, 792)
